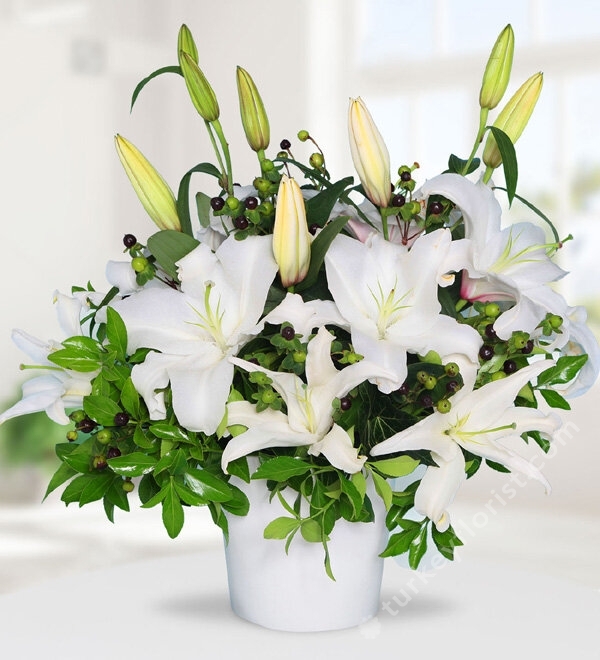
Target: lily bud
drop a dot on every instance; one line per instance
(254, 117)
(291, 238)
(186, 43)
(497, 71)
(202, 94)
(152, 190)
(369, 154)
(514, 117)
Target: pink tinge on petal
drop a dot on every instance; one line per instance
(480, 290)
(361, 230)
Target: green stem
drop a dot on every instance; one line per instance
(483, 115)
(216, 148)
(225, 147)
(488, 174)
(384, 224)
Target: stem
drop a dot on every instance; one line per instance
(225, 147)
(488, 174)
(216, 148)
(384, 224)
(483, 115)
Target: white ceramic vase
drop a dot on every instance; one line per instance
(292, 592)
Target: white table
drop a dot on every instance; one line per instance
(178, 608)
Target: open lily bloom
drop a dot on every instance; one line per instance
(309, 418)
(477, 422)
(388, 295)
(499, 264)
(196, 329)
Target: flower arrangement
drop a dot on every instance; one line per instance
(340, 334)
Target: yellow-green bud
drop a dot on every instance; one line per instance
(497, 71)
(291, 238)
(202, 94)
(369, 154)
(152, 190)
(514, 117)
(252, 110)
(186, 44)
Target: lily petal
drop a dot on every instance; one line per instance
(338, 449)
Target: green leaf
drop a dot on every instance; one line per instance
(400, 543)
(351, 492)
(360, 483)
(147, 79)
(417, 548)
(96, 488)
(101, 409)
(166, 431)
(116, 333)
(280, 528)
(509, 161)
(183, 202)
(534, 208)
(116, 495)
(395, 467)
(74, 360)
(384, 490)
(147, 488)
(239, 468)
(281, 468)
(189, 496)
(319, 207)
(109, 509)
(238, 504)
(446, 541)
(311, 531)
(169, 246)
(141, 439)
(496, 466)
(457, 165)
(158, 497)
(172, 512)
(203, 208)
(73, 491)
(64, 473)
(130, 399)
(208, 486)
(555, 400)
(565, 369)
(132, 465)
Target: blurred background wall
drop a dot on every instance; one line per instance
(69, 68)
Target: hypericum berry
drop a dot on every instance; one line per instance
(430, 382)
(262, 185)
(509, 367)
(555, 321)
(303, 136)
(99, 462)
(422, 376)
(233, 203)
(435, 208)
(486, 352)
(104, 436)
(404, 389)
(128, 486)
(241, 222)
(520, 340)
(528, 347)
(129, 240)
(492, 310)
(285, 144)
(490, 332)
(316, 160)
(121, 419)
(113, 452)
(314, 228)
(299, 356)
(217, 203)
(452, 369)
(426, 401)
(452, 386)
(77, 416)
(398, 200)
(345, 403)
(86, 425)
(444, 406)
(405, 176)
(288, 332)
(139, 264)
(267, 165)
(498, 375)
(251, 203)
(266, 208)
(72, 436)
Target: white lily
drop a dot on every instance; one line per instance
(198, 328)
(388, 294)
(500, 264)
(477, 422)
(309, 418)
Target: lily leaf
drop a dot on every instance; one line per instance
(281, 468)
(509, 161)
(183, 203)
(147, 79)
(169, 246)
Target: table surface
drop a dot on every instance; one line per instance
(178, 607)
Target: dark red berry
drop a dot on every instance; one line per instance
(129, 240)
(404, 389)
(217, 203)
(345, 403)
(426, 401)
(527, 348)
(285, 144)
(121, 419)
(509, 367)
(452, 386)
(99, 463)
(398, 200)
(288, 332)
(486, 352)
(241, 222)
(314, 228)
(406, 176)
(113, 452)
(251, 203)
(489, 331)
(86, 425)
(435, 208)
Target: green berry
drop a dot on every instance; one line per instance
(520, 340)
(139, 264)
(430, 382)
(316, 160)
(452, 369)
(443, 406)
(232, 203)
(77, 416)
(555, 321)
(72, 436)
(299, 356)
(492, 310)
(267, 165)
(104, 436)
(128, 486)
(303, 136)
(498, 375)
(422, 376)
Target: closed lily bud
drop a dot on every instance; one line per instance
(514, 117)
(252, 110)
(497, 71)
(202, 94)
(291, 238)
(369, 154)
(186, 43)
(152, 190)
